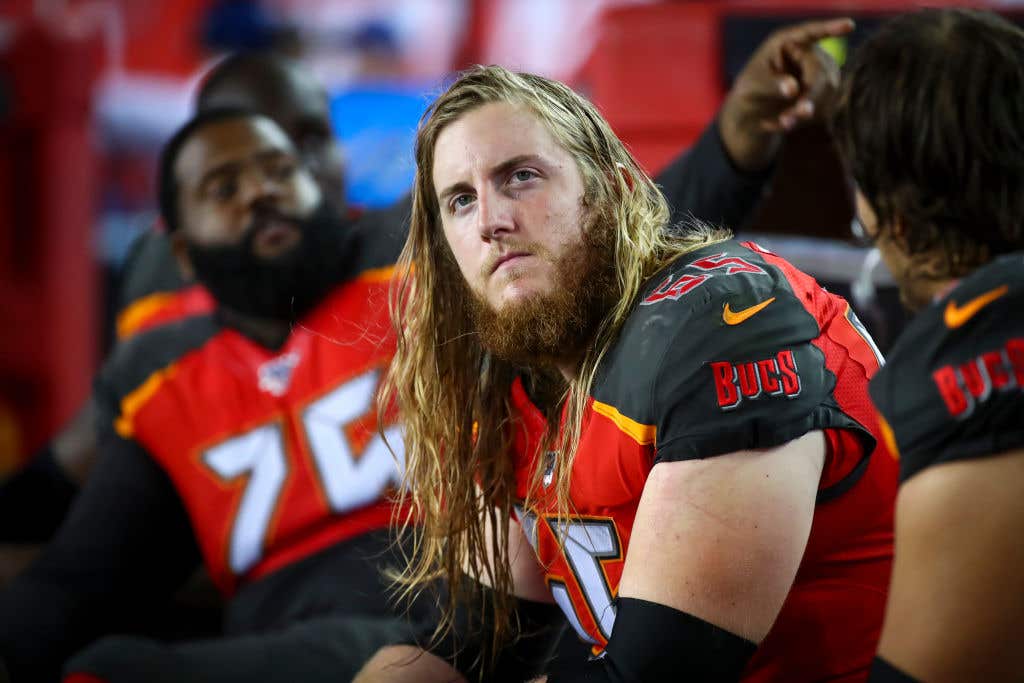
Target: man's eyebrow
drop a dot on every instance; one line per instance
(499, 169)
(507, 165)
(233, 166)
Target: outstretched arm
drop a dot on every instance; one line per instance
(789, 80)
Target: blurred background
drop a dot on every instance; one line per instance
(90, 89)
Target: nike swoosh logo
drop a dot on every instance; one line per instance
(957, 315)
(736, 317)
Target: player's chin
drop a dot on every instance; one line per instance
(518, 292)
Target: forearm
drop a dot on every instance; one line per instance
(705, 182)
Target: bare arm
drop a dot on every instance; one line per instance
(955, 602)
(722, 538)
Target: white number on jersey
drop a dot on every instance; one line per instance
(350, 480)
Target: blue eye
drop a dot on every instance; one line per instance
(523, 175)
(460, 201)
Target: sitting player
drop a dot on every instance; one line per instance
(245, 439)
(153, 292)
(931, 126)
(677, 424)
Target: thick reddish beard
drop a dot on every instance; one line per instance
(555, 326)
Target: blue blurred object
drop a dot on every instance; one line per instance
(377, 125)
(235, 25)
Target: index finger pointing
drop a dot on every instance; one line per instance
(813, 31)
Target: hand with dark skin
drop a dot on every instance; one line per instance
(788, 81)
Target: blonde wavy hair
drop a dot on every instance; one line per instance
(453, 397)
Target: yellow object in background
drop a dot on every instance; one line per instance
(836, 47)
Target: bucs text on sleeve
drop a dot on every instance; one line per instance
(954, 386)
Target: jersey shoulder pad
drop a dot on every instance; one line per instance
(138, 358)
(953, 386)
(714, 338)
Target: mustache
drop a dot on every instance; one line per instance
(265, 217)
(512, 248)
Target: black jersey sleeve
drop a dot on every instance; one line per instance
(126, 542)
(953, 387)
(723, 388)
(704, 182)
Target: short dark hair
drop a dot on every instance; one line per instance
(167, 181)
(252, 70)
(930, 124)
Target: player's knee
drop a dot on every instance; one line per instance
(121, 659)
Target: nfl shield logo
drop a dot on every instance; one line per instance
(276, 374)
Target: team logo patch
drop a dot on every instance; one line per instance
(965, 385)
(276, 374)
(737, 382)
(673, 287)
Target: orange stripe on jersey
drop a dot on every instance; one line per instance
(133, 402)
(377, 274)
(641, 433)
(889, 437)
(135, 316)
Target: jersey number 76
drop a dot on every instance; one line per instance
(349, 479)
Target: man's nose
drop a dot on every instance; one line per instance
(260, 186)
(495, 215)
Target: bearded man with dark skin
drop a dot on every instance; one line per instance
(153, 291)
(666, 434)
(244, 440)
(931, 127)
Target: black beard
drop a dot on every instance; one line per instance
(284, 287)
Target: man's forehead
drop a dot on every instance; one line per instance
(489, 135)
(227, 141)
(284, 102)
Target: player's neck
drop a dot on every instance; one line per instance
(569, 367)
(268, 332)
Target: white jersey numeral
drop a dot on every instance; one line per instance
(349, 479)
(588, 544)
(259, 453)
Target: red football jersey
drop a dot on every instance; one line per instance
(275, 454)
(730, 348)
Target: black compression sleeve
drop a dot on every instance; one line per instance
(34, 501)
(126, 541)
(705, 182)
(884, 672)
(654, 642)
